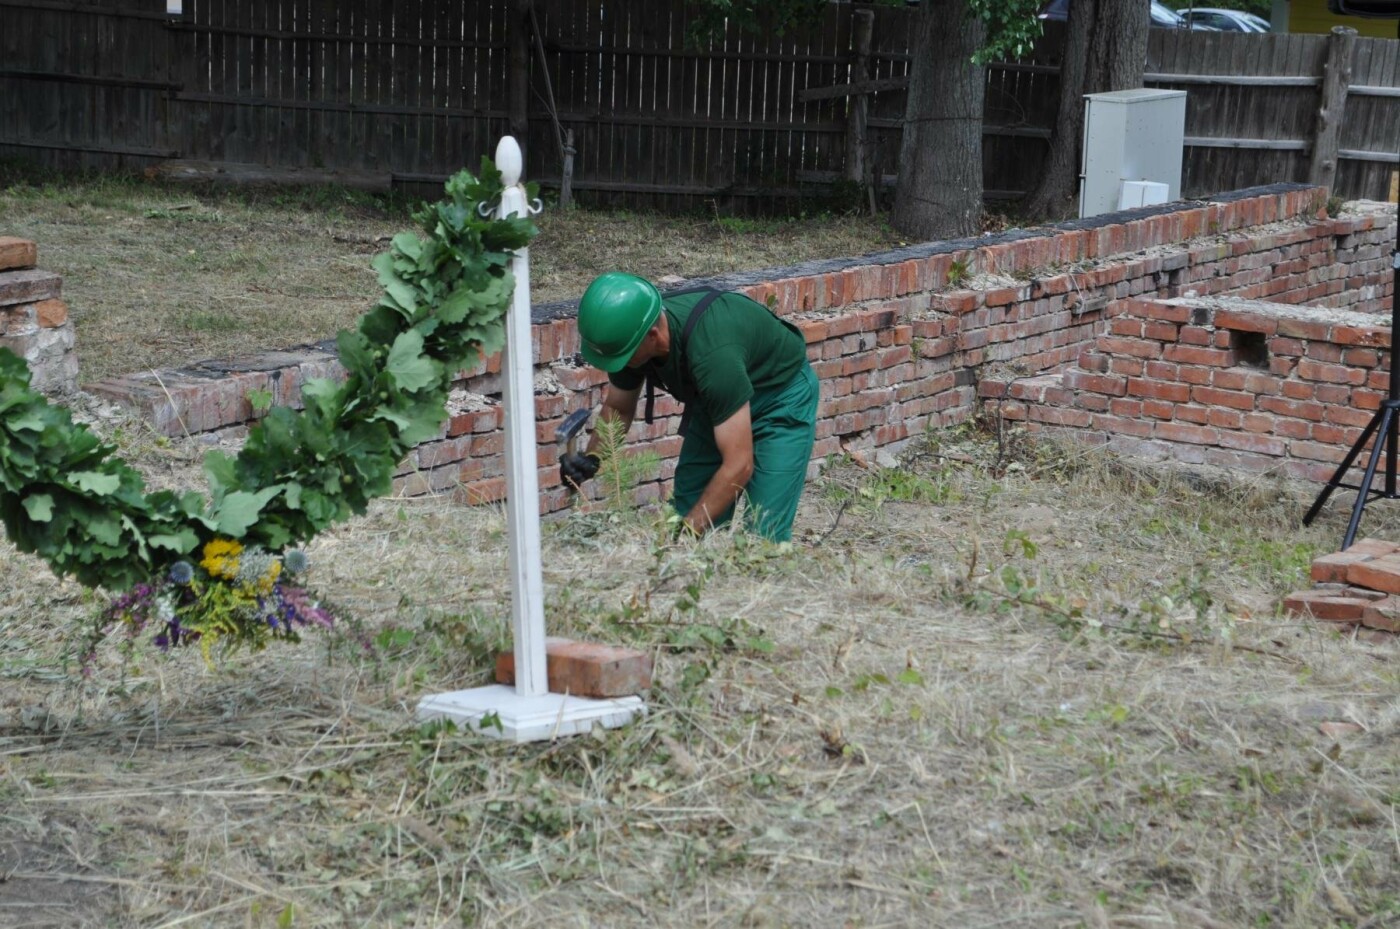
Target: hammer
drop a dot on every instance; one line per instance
(567, 435)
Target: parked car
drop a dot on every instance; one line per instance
(1226, 20)
(1162, 16)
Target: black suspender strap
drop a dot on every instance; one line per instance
(683, 366)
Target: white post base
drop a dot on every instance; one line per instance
(528, 719)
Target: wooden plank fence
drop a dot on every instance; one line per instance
(404, 92)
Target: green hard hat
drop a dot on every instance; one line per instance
(613, 317)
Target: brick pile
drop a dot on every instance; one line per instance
(34, 320)
(1359, 587)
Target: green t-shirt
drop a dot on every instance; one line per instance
(737, 348)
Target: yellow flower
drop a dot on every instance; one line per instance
(221, 558)
(268, 580)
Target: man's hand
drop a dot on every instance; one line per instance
(575, 469)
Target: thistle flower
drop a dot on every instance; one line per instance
(181, 572)
(295, 561)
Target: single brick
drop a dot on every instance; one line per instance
(51, 313)
(581, 378)
(1329, 605)
(1382, 614)
(16, 253)
(1333, 568)
(1381, 573)
(586, 669)
(28, 286)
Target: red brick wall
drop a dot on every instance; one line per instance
(898, 349)
(1240, 384)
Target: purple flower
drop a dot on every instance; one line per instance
(298, 607)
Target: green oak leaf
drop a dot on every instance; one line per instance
(409, 368)
(181, 542)
(239, 510)
(92, 482)
(31, 421)
(39, 507)
(220, 471)
(409, 244)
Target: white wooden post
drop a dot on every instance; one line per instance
(528, 712)
(522, 482)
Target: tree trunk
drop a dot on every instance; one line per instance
(940, 157)
(1105, 49)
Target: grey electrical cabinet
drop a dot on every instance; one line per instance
(1131, 135)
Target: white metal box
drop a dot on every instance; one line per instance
(1130, 135)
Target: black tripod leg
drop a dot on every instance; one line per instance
(1345, 466)
(1390, 454)
(1364, 493)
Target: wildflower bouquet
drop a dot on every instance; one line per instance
(236, 596)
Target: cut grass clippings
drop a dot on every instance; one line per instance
(1019, 687)
(1003, 684)
(160, 274)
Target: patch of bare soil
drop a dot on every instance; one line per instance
(36, 892)
(999, 684)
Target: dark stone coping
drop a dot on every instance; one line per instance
(565, 309)
(270, 362)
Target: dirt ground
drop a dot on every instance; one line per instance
(1001, 685)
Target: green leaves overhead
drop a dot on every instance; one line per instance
(65, 498)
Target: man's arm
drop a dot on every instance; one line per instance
(618, 406)
(734, 437)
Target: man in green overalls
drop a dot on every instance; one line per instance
(750, 396)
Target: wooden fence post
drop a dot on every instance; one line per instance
(566, 181)
(1322, 170)
(518, 74)
(858, 105)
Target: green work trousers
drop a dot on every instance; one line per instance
(784, 431)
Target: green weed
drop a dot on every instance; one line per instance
(621, 472)
(958, 272)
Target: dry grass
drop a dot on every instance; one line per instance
(1001, 685)
(159, 274)
(898, 721)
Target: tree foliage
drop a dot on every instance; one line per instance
(1011, 25)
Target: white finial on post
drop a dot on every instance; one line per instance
(509, 161)
(528, 712)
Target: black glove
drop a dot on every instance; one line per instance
(574, 468)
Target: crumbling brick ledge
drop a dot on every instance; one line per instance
(902, 340)
(34, 321)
